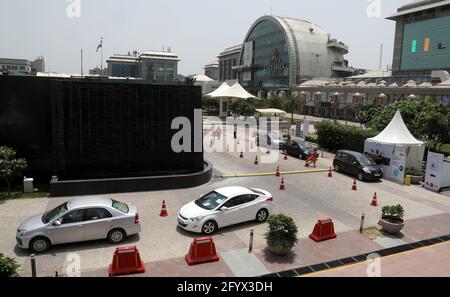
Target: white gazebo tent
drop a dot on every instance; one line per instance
(226, 94)
(396, 148)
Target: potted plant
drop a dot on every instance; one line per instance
(416, 174)
(392, 218)
(281, 234)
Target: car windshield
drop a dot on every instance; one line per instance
(365, 161)
(120, 206)
(210, 200)
(55, 212)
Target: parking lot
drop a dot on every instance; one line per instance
(309, 195)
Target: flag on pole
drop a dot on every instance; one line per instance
(100, 44)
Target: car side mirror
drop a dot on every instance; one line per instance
(223, 208)
(57, 223)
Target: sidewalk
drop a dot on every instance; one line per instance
(238, 262)
(431, 261)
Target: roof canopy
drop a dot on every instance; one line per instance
(236, 91)
(219, 91)
(396, 133)
(271, 111)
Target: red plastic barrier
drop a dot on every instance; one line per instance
(126, 260)
(202, 250)
(323, 230)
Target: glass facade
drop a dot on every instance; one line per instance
(150, 71)
(124, 70)
(270, 56)
(426, 45)
(170, 71)
(159, 71)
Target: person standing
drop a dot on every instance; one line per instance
(235, 131)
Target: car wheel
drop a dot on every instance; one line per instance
(336, 168)
(360, 176)
(39, 244)
(209, 227)
(116, 235)
(262, 215)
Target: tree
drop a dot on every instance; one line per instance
(242, 107)
(210, 104)
(10, 166)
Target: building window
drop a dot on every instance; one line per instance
(170, 71)
(160, 72)
(414, 46)
(426, 45)
(149, 71)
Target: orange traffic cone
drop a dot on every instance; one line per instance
(278, 173)
(354, 186)
(163, 212)
(374, 200)
(268, 151)
(256, 160)
(282, 188)
(241, 155)
(330, 173)
(285, 156)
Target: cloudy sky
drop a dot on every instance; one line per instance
(197, 30)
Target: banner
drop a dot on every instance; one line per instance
(435, 164)
(305, 128)
(398, 162)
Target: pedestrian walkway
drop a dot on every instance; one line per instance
(430, 261)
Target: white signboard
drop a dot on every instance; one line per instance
(398, 162)
(248, 53)
(305, 128)
(435, 163)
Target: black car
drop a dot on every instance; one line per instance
(357, 164)
(298, 149)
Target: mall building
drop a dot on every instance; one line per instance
(279, 53)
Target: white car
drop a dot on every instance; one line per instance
(224, 207)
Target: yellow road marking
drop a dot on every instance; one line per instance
(273, 173)
(384, 257)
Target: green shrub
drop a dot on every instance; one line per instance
(396, 211)
(8, 266)
(282, 231)
(415, 171)
(334, 136)
(311, 138)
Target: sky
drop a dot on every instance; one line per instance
(196, 30)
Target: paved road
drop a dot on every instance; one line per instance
(308, 197)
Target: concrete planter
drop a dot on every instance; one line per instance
(390, 226)
(278, 250)
(416, 179)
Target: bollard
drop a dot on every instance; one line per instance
(322, 153)
(362, 223)
(250, 242)
(33, 265)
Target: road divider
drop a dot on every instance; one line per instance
(272, 173)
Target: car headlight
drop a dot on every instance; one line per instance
(22, 232)
(197, 219)
(366, 170)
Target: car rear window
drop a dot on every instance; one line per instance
(120, 206)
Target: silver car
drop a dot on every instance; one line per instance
(81, 219)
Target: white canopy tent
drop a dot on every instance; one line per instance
(393, 144)
(226, 94)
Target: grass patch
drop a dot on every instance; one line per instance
(16, 193)
(445, 149)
